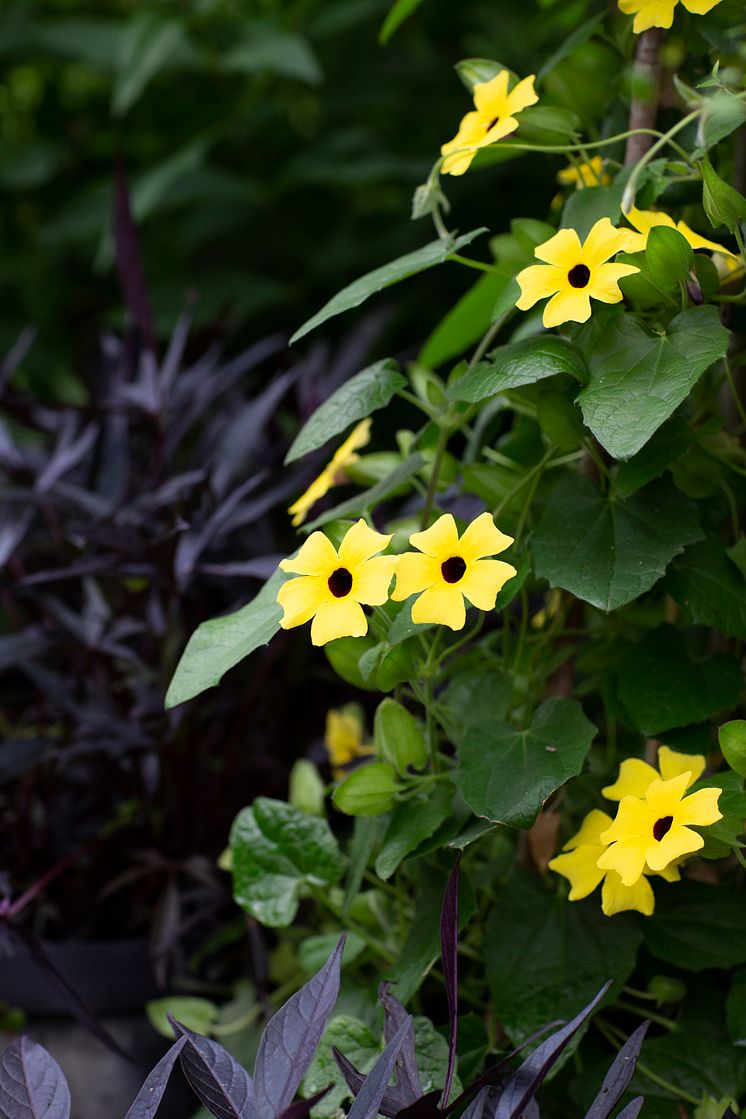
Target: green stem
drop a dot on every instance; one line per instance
(617, 1039)
(478, 264)
(432, 484)
(628, 198)
(667, 1023)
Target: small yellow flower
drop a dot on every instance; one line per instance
(451, 569)
(494, 117)
(332, 474)
(579, 864)
(590, 174)
(636, 776)
(656, 831)
(573, 273)
(344, 738)
(645, 220)
(335, 584)
(659, 13)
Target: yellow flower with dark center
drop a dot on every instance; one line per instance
(344, 738)
(573, 273)
(590, 174)
(645, 220)
(636, 776)
(493, 118)
(579, 864)
(333, 474)
(450, 569)
(657, 830)
(335, 584)
(659, 13)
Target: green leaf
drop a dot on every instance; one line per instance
(399, 736)
(465, 323)
(559, 419)
(559, 952)
(432, 1057)
(736, 1008)
(195, 1013)
(364, 393)
(276, 851)
(506, 774)
(669, 257)
(609, 552)
(367, 791)
(723, 204)
(670, 441)
(520, 363)
(547, 124)
(314, 951)
(436, 252)
(395, 17)
(732, 739)
(661, 687)
(706, 1067)
(476, 695)
(638, 378)
(411, 822)
(724, 113)
(362, 502)
(584, 208)
(219, 644)
(708, 583)
(353, 1038)
(697, 926)
(149, 44)
(267, 49)
(475, 71)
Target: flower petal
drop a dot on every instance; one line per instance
(664, 797)
(360, 543)
(537, 282)
(563, 249)
(699, 7)
(568, 305)
(358, 437)
(605, 278)
(414, 573)
(627, 858)
(675, 844)
(634, 780)
(440, 540)
(319, 486)
(300, 599)
(590, 830)
(579, 867)
(649, 13)
(699, 242)
(671, 764)
(700, 808)
(483, 579)
(483, 538)
(341, 617)
(441, 604)
(522, 95)
(317, 556)
(634, 820)
(499, 130)
(373, 579)
(617, 898)
(490, 96)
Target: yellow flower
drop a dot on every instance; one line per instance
(335, 583)
(636, 776)
(494, 117)
(333, 473)
(656, 830)
(645, 220)
(344, 738)
(450, 569)
(588, 174)
(659, 13)
(580, 866)
(572, 273)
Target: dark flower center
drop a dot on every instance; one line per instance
(453, 569)
(492, 124)
(579, 275)
(662, 827)
(340, 582)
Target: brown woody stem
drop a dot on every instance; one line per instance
(645, 81)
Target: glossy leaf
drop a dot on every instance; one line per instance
(216, 1078)
(669, 257)
(619, 1075)
(707, 582)
(361, 1049)
(367, 791)
(399, 11)
(399, 737)
(32, 1085)
(609, 552)
(697, 926)
(147, 1100)
(436, 252)
(412, 822)
(467, 321)
(449, 957)
(505, 774)
(732, 739)
(520, 363)
(373, 1088)
(361, 502)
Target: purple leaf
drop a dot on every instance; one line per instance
(147, 1100)
(407, 1075)
(368, 1100)
(393, 1101)
(618, 1076)
(449, 954)
(632, 1110)
(31, 1083)
(128, 262)
(523, 1084)
(426, 1107)
(291, 1038)
(215, 1077)
(301, 1108)
(17, 353)
(495, 1074)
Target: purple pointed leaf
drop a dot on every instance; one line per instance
(301, 1108)
(31, 1083)
(291, 1038)
(407, 1074)
(219, 1082)
(483, 1104)
(522, 1086)
(129, 263)
(618, 1076)
(632, 1110)
(368, 1100)
(449, 954)
(393, 1101)
(426, 1107)
(147, 1100)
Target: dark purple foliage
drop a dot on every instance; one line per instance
(449, 956)
(31, 1083)
(148, 1099)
